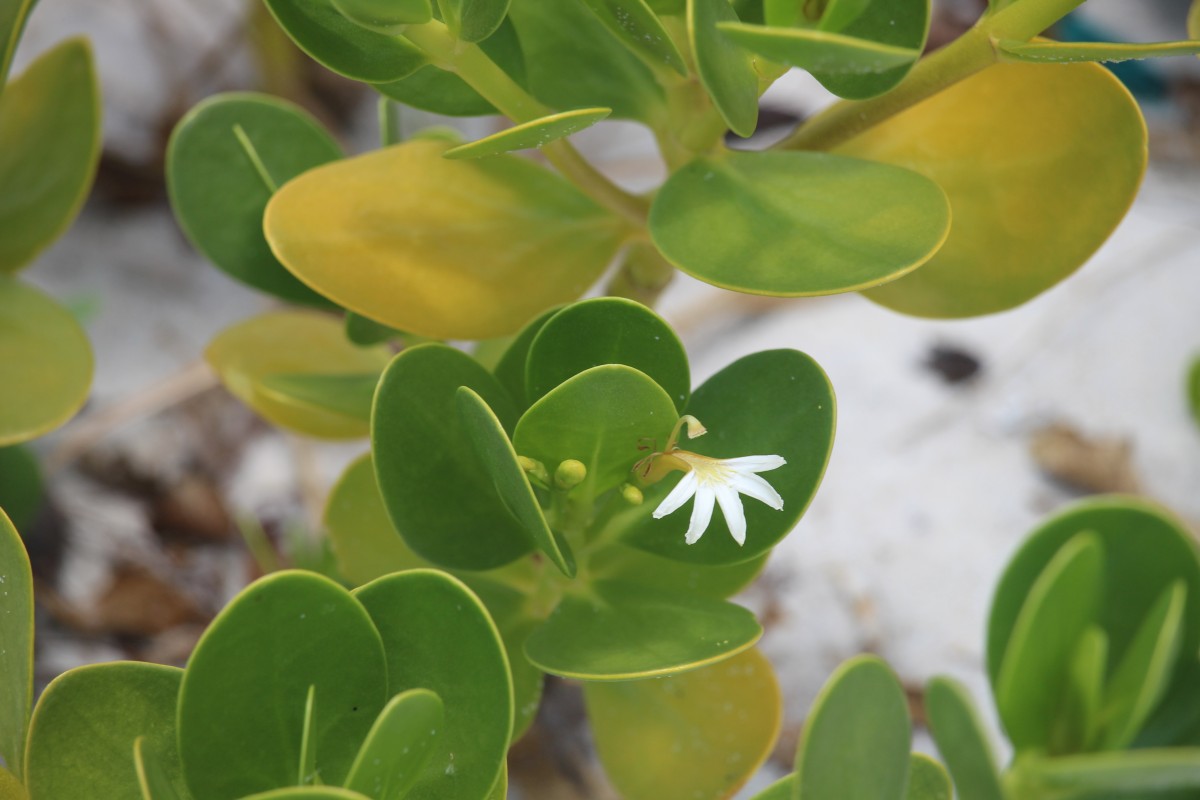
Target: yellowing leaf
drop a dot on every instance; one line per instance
(441, 248)
(1040, 164)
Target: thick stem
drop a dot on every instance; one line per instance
(474, 66)
(970, 53)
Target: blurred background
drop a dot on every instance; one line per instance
(165, 495)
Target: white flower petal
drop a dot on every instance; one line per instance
(752, 485)
(678, 496)
(731, 507)
(702, 510)
(755, 463)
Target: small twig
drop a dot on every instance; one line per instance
(193, 380)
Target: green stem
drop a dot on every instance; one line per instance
(962, 58)
(474, 66)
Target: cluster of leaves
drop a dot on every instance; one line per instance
(49, 148)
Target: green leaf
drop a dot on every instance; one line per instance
(499, 459)
(225, 160)
(347, 395)
(510, 369)
(629, 565)
(45, 363)
(473, 20)
(636, 23)
(598, 417)
(85, 724)
(242, 703)
(726, 70)
(12, 23)
(855, 743)
(902, 24)
(20, 487)
(307, 774)
(385, 16)
(530, 135)
(1142, 773)
(155, 782)
(1045, 197)
(1144, 673)
(342, 46)
(582, 64)
(308, 793)
(1078, 719)
(291, 345)
(365, 543)
(1193, 390)
(470, 249)
(1044, 52)
(467, 670)
(49, 147)
(16, 656)
(607, 330)
(364, 331)
(709, 730)
(961, 740)
(927, 780)
(783, 789)
(1062, 603)
(777, 402)
(437, 492)
(400, 744)
(1146, 551)
(797, 224)
(619, 631)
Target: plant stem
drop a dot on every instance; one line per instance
(483, 75)
(970, 53)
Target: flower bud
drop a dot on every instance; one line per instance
(569, 474)
(535, 469)
(632, 494)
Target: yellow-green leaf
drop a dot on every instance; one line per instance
(530, 135)
(1040, 164)
(441, 248)
(1072, 52)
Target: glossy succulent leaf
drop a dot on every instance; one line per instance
(961, 740)
(819, 51)
(598, 417)
(1045, 197)
(225, 160)
(855, 743)
(637, 25)
(151, 766)
(1143, 676)
(1176, 721)
(726, 69)
(342, 46)
(581, 63)
(796, 224)
(782, 789)
(927, 780)
(1046, 52)
(441, 91)
(49, 147)
(85, 724)
(1136, 773)
(625, 564)
(1146, 551)
(20, 489)
(437, 492)
(473, 20)
(365, 543)
(364, 331)
(242, 703)
(347, 395)
(777, 402)
(499, 460)
(16, 656)
(709, 729)
(467, 670)
(291, 345)
(308, 793)
(385, 16)
(45, 363)
(607, 330)
(621, 631)
(1062, 603)
(1078, 717)
(12, 23)
(902, 24)
(467, 249)
(511, 368)
(530, 135)
(399, 745)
